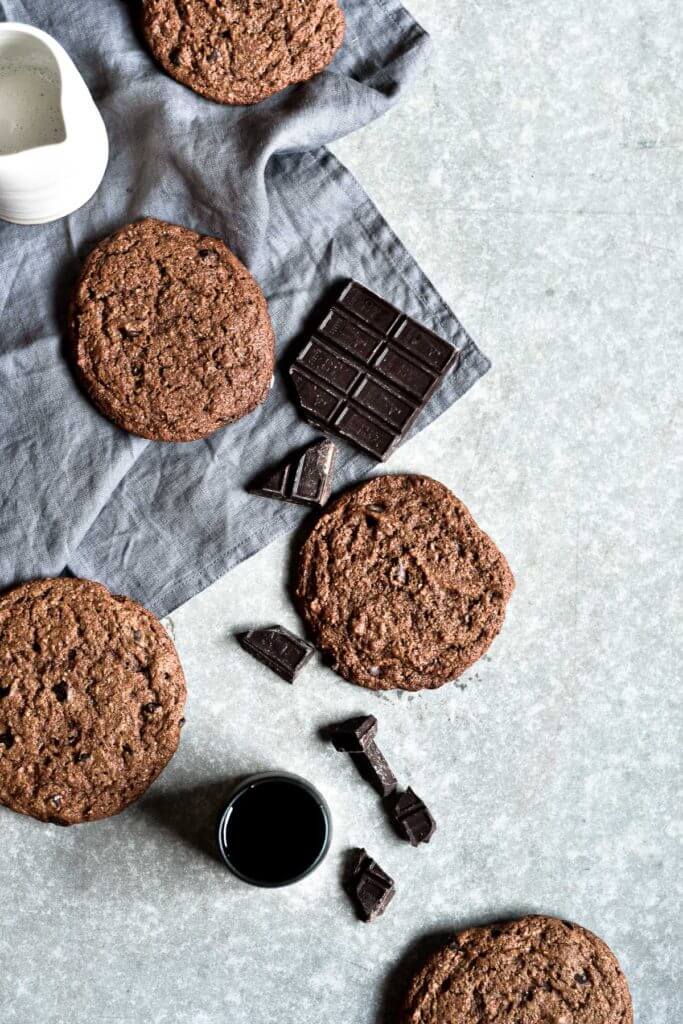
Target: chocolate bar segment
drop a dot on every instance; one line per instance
(374, 768)
(369, 370)
(353, 736)
(356, 737)
(370, 888)
(278, 649)
(306, 480)
(412, 819)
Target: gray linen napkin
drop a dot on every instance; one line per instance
(161, 522)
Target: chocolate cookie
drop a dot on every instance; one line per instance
(91, 700)
(171, 334)
(400, 587)
(531, 971)
(241, 52)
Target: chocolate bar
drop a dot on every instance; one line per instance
(356, 737)
(370, 888)
(278, 649)
(412, 818)
(306, 480)
(368, 371)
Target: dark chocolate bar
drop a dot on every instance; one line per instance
(279, 649)
(353, 736)
(369, 370)
(306, 480)
(412, 818)
(356, 737)
(370, 888)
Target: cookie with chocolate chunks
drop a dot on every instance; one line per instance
(171, 334)
(399, 587)
(91, 700)
(241, 53)
(532, 969)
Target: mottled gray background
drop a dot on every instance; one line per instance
(535, 172)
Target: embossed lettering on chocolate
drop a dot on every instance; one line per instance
(369, 370)
(399, 587)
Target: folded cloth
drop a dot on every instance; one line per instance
(161, 521)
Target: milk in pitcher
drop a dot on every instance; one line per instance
(30, 108)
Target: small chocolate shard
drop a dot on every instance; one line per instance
(280, 650)
(370, 888)
(412, 818)
(352, 737)
(369, 370)
(306, 480)
(357, 738)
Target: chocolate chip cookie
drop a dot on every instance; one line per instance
(242, 51)
(171, 334)
(529, 971)
(399, 587)
(91, 700)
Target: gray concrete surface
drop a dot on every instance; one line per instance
(535, 172)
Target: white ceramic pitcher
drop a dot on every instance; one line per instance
(60, 170)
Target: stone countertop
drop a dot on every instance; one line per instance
(535, 172)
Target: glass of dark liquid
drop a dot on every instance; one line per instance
(275, 830)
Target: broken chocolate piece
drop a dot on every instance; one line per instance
(279, 649)
(370, 888)
(306, 480)
(369, 370)
(353, 736)
(356, 737)
(373, 766)
(412, 818)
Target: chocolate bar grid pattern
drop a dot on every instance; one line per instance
(369, 370)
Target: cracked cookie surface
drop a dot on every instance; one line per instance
(242, 51)
(171, 334)
(91, 700)
(536, 970)
(399, 587)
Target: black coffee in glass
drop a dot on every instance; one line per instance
(275, 830)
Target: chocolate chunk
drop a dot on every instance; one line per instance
(279, 649)
(370, 888)
(306, 480)
(412, 819)
(353, 736)
(369, 370)
(61, 692)
(373, 766)
(356, 737)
